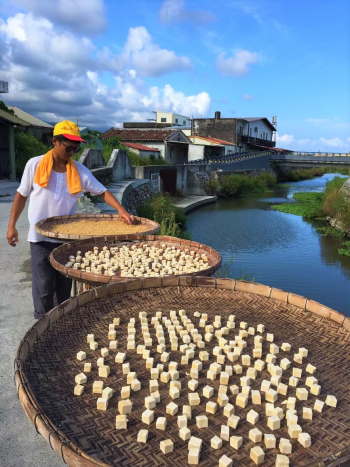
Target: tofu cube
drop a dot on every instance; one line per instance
(270, 441)
(294, 431)
(274, 423)
(78, 390)
(242, 400)
(291, 401)
(245, 360)
(292, 420)
(81, 378)
(135, 385)
(229, 410)
(193, 398)
(125, 392)
(282, 461)
(225, 461)
(260, 328)
(305, 440)
(166, 446)
(203, 355)
(195, 443)
(274, 349)
(121, 422)
(285, 364)
(153, 385)
(232, 421)
(271, 395)
(282, 389)
(174, 375)
(165, 377)
(270, 358)
(100, 361)
(81, 355)
(318, 406)
(237, 369)
(216, 442)
(193, 456)
(181, 421)
(302, 394)
(257, 353)
(124, 407)
(208, 392)
(222, 400)
(286, 347)
(211, 407)
(278, 412)
(90, 338)
(172, 408)
(303, 352)
(225, 433)
(265, 385)
(269, 408)
(275, 380)
(87, 367)
(256, 397)
(201, 421)
(285, 446)
(113, 345)
(187, 411)
(161, 423)
(185, 433)
(236, 442)
(142, 436)
(307, 413)
(104, 371)
(252, 417)
(93, 345)
(234, 389)
(107, 393)
(130, 377)
(331, 401)
(269, 337)
(297, 372)
(120, 357)
(293, 381)
(174, 393)
(257, 455)
(150, 402)
(255, 435)
(97, 387)
(224, 378)
(147, 416)
(102, 403)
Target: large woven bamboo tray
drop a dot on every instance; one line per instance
(59, 256)
(46, 365)
(45, 226)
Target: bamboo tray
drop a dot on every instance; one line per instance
(46, 364)
(59, 256)
(44, 227)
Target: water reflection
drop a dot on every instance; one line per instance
(282, 250)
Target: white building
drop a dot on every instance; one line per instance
(174, 119)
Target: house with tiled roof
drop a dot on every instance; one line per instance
(210, 147)
(142, 150)
(173, 145)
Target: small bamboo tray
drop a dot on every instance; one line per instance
(44, 227)
(46, 364)
(59, 256)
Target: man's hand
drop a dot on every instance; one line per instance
(12, 236)
(126, 217)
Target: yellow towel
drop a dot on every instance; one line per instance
(43, 172)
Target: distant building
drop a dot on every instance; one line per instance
(4, 86)
(41, 130)
(244, 134)
(142, 150)
(170, 117)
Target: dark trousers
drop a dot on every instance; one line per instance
(49, 287)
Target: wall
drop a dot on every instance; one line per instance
(103, 174)
(170, 118)
(229, 149)
(195, 151)
(181, 119)
(148, 153)
(120, 164)
(221, 128)
(260, 124)
(92, 158)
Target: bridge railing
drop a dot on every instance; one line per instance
(232, 158)
(318, 154)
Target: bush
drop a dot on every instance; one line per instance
(243, 185)
(336, 205)
(305, 174)
(231, 184)
(268, 179)
(26, 147)
(211, 186)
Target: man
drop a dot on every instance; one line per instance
(54, 183)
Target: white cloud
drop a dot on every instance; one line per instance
(174, 11)
(290, 142)
(247, 97)
(87, 17)
(238, 65)
(334, 142)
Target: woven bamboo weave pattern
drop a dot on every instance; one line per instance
(52, 365)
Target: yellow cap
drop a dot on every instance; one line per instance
(69, 130)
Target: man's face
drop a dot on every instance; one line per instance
(65, 149)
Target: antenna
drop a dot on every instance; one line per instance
(77, 121)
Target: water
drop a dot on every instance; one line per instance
(277, 249)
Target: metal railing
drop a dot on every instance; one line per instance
(232, 158)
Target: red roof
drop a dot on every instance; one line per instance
(138, 135)
(140, 147)
(219, 141)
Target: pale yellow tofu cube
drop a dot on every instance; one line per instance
(303, 352)
(107, 393)
(78, 390)
(172, 408)
(234, 389)
(161, 423)
(233, 421)
(271, 395)
(286, 347)
(282, 461)
(150, 402)
(104, 371)
(81, 355)
(285, 446)
(270, 441)
(285, 363)
(282, 389)
(307, 413)
(81, 378)
(274, 349)
(242, 400)
(256, 397)
(298, 358)
(204, 355)
(252, 417)
(201, 421)
(124, 407)
(278, 412)
(225, 461)
(236, 442)
(269, 408)
(291, 401)
(208, 392)
(237, 369)
(90, 338)
(100, 361)
(102, 403)
(120, 357)
(270, 358)
(185, 433)
(260, 328)
(225, 433)
(181, 421)
(194, 398)
(216, 442)
(257, 353)
(174, 375)
(166, 446)
(130, 377)
(302, 394)
(297, 372)
(87, 367)
(224, 378)
(147, 416)
(275, 380)
(255, 435)
(331, 401)
(165, 377)
(310, 369)
(211, 407)
(97, 387)
(274, 423)
(174, 393)
(193, 456)
(293, 381)
(113, 345)
(318, 406)
(187, 411)
(294, 431)
(229, 410)
(223, 399)
(142, 436)
(265, 385)
(257, 455)
(304, 439)
(135, 385)
(245, 360)
(121, 422)
(292, 420)
(93, 345)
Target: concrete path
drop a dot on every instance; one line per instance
(20, 446)
(192, 202)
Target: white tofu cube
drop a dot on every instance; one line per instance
(274, 349)
(303, 352)
(222, 400)
(331, 401)
(201, 421)
(124, 407)
(282, 389)
(271, 395)
(269, 337)
(302, 394)
(252, 417)
(225, 461)
(269, 408)
(97, 387)
(274, 423)
(225, 433)
(282, 461)
(166, 446)
(193, 398)
(107, 393)
(81, 378)
(236, 442)
(304, 439)
(318, 406)
(216, 442)
(255, 435)
(87, 367)
(150, 402)
(256, 397)
(142, 436)
(285, 446)
(185, 433)
(187, 411)
(121, 422)
(307, 413)
(172, 408)
(90, 338)
(81, 355)
(232, 421)
(293, 381)
(257, 455)
(161, 423)
(147, 416)
(229, 410)
(195, 443)
(135, 385)
(260, 328)
(294, 431)
(265, 385)
(242, 400)
(286, 347)
(193, 456)
(120, 357)
(78, 390)
(270, 441)
(234, 389)
(211, 407)
(102, 403)
(285, 364)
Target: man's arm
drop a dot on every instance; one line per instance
(114, 203)
(17, 207)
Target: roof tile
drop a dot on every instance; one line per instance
(131, 134)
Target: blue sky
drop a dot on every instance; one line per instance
(108, 61)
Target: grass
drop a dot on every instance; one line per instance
(309, 205)
(26, 147)
(226, 271)
(346, 250)
(305, 174)
(336, 205)
(242, 185)
(172, 220)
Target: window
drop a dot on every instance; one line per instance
(184, 122)
(261, 135)
(176, 120)
(163, 119)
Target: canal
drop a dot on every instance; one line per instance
(277, 249)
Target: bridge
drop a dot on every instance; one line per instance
(310, 159)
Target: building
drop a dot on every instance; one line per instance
(172, 118)
(142, 150)
(244, 134)
(173, 145)
(210, 147)
(41, 130)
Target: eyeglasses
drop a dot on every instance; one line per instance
(72, 149)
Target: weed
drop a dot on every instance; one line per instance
(330, 232)
(345, 251)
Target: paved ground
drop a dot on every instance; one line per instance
(20, 446)
(191, 202)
